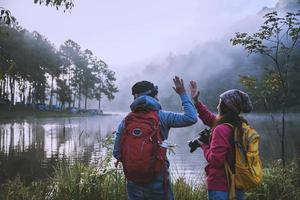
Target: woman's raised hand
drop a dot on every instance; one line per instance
(194, 91)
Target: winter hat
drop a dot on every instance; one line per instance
(144, 88)
(237, 101)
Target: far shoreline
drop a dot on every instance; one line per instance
(22, 114)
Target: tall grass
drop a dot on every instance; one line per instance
(89, 183)
(278, 183)
(17, 190)
(83, 182)
(184, 190)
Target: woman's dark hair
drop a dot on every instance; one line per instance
(230, 117)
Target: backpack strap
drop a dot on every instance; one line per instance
(230, 181)
(229, 125)
(230, 176)
(232, 142)
(236, 143)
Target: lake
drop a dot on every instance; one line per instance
(30, 147)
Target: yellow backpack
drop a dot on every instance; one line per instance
(248, 167)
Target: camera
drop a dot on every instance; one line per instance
(203, 137)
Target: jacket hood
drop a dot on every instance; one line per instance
(147, 102)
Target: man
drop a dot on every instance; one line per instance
(145, 96)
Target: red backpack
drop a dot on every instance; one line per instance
(141, 154)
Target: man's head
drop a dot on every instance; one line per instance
(144, 88)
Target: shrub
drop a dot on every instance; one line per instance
(278, 183)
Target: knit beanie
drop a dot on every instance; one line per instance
(144, 88)
(237, 101)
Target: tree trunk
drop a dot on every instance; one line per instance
(74, 99)
(283, 134)
(20, 90)
(51, 93)
(33, 94)
(100, 98)
(11, 142)
(70, 100)
(29, 100)
(7, 88)
(79, 97)
(4, 88)
(99, 106)
(1, 83)
(86, 97)
(23, 100)
(284, 103)
(70, 88)
(12, 92)
(56, 99)
(62, 105)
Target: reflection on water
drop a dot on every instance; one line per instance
(31, 147)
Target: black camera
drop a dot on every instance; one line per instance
(203, 137)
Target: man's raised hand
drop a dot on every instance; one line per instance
(179, 86)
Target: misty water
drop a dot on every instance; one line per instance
(31, 147)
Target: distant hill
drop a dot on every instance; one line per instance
(282, 5)
(215, 65)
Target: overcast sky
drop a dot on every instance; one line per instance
(122, 32)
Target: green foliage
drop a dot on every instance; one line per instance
(105, 79)
(25, 58)
(278, 183)
(68, 4)
(265, 90)
(86, 74)
(30, 61)
(80, 181)
(278, 39)
(63, 91)
(17, 190)
(271, 37)
(83, 182)
(6, 17)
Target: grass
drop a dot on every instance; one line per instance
(85, 182)
(79, 181)
(278, 183)
(187, 191)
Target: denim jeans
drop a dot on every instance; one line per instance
(221, 195)
(151, 191)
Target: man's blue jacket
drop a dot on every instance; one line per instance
(167, 119)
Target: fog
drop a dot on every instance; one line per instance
(215, 64)
(152, 40)
(125, 32)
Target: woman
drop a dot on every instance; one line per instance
(221, 146)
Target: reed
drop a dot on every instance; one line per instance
(80, 181)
